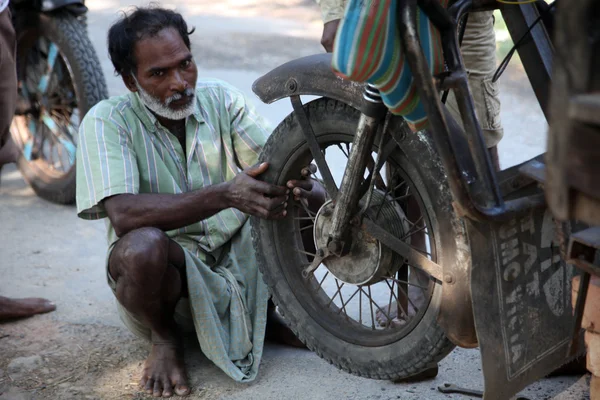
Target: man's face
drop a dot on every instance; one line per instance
(166, 75)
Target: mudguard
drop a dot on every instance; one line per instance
(311, 75)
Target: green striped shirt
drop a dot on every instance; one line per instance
(124, 149)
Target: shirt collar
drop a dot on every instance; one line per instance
(148, 119)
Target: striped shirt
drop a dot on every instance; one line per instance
(124, 149)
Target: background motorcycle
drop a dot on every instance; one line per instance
(60, 79)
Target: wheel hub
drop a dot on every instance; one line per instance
(368, 260)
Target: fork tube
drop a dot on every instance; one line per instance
(348, 196)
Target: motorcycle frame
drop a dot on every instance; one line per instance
(480, 200)
(472, 179)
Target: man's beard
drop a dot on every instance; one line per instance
(163, 109)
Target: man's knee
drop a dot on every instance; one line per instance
(140, 255)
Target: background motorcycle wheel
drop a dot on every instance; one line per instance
(46, 128)
(328, 318)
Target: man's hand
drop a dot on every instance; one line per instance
(329, 32)
(308, 189)
(255, 197)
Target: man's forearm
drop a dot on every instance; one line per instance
(128, 212)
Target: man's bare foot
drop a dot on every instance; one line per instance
(164, 371)
(389, 317)
(21, 308)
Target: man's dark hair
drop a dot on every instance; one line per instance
(140, 24)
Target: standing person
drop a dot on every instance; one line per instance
(12, 308)
(173, 166)
(479, 55)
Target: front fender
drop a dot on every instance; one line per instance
(311, 75)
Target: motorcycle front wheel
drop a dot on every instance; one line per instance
(60, 80)
(382, 326)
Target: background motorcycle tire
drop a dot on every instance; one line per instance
(69, 33)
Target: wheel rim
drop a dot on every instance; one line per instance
(350, 311)
(47, 129)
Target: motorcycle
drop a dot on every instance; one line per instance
(59, 81)
(498, 264)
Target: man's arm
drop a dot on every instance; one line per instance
(128, 212)
(331, 13)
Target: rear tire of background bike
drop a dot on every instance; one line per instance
(426, 344)
(70, 35)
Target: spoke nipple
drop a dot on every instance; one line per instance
(448, 278)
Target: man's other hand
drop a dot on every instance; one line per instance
(255, 197)
(308, 189)
(329, 32)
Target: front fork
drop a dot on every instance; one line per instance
(346, 203)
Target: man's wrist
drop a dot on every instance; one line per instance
(224, 194)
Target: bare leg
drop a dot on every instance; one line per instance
(146, 265)
(417, 278)
(21, 308)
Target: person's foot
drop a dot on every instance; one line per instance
(277, 330)
(390, 317)
(22, 308)
(164, 371)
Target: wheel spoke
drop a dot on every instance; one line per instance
(306, 227)
(406, 283)
(346, 152)
(403, 197)
(315, 149)
(413, 224)
(337, 283)
(409, 300)
(304, 218)
(321, 283)
(336, 292)
(344, 304)
(376, 305)
(45, 79)
(305, 209)
(306, 252)
(371, 306)
(393, 295)
(409, 234)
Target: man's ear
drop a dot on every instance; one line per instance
(129, 81)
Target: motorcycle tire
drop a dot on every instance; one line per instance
(69, 33)
(345, 346)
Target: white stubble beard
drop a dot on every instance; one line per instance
(163, 110)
